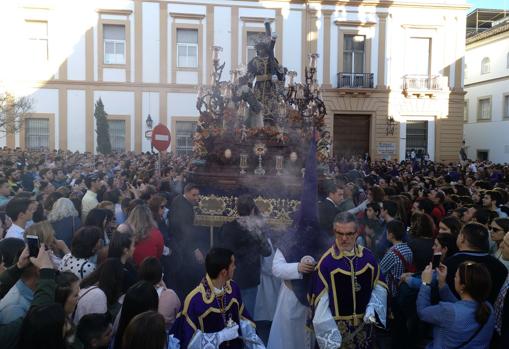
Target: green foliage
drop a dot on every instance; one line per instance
(103, 129)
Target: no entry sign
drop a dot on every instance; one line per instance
(161, 137)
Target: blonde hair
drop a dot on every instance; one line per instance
(141, 222)
(44, 231)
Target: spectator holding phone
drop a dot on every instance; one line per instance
(465, 323)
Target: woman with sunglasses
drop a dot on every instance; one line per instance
(498, 228)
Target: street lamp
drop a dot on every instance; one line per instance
(149, 122)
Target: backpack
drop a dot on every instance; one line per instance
(409, 267)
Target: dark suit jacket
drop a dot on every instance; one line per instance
(326, 213)
(247, 247)
(497, 270)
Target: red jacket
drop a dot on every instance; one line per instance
(152, 246)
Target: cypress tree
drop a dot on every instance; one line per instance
(103, 129)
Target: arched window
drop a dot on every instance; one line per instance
(485, 65)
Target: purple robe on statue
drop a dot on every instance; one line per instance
(348, 279)
(205, 311)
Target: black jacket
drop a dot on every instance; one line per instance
(327, 211)
(497, 270)
(248, 247)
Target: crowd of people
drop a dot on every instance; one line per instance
(401, 255)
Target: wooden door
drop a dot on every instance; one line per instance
(351, 135)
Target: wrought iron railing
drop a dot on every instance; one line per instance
(423, 82)
(355, 80)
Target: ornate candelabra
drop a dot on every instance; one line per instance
(259, 149)
(243, 164)
(279, 165)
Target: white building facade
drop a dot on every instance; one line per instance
(486, 130)
(391, 71)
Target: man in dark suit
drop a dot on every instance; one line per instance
(328, 208)
(473, 245)
(246, 237)
(186, 242)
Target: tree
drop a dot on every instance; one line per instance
(13, 112)
(103, 129)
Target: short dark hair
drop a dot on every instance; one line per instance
(453, 223)
(217, 259)
(425, 204)
(151, 270)
(245, 205)
(477, 236)
(391, 207)
(90, 179)
(145, 330)
(484, 215)
(85, 240)
(44, 171)
(397, 229)
(495, 196)
(374, 206)
(10, 250)
(190, 186)
(92, 326)
(64, 283)
(16, 206)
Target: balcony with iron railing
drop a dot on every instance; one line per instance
(355, 80)
(424, 84)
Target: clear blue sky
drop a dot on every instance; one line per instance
(500, 4)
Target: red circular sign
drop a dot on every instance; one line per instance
(161, 137)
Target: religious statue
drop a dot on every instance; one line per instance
(323, 146)
(268, 77)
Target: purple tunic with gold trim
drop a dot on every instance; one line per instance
(348, 279)
(205, 311)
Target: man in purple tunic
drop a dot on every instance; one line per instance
(348, 292)
(213, 315)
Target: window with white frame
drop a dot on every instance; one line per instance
(485, 65)
(465, 111)
(37, 133)
(37, 35)
(187, 48)
(184, 131)
(354, 53)
(484, 111)
(114, 44)
(117, 135)
(506, 106)
(251, 38)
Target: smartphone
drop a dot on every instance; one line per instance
(33, 245)
(435, 263)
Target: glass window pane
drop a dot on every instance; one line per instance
(347, 62)
(358, 63)
(114, 32)
(251, 38)
(109, 47)
(189, 36)
(117, 134)
(348, 43)
(358, 43)
(37, 133)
